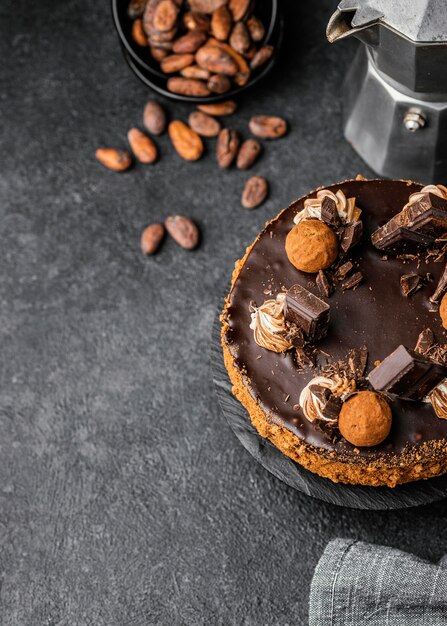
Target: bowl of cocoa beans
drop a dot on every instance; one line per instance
(199, 50)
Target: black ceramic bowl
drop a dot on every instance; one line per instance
(148, 70)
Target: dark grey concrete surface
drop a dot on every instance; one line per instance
(124, 497)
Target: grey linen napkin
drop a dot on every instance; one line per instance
(358, 583)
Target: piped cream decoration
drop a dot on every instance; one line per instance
(346, 208)
(269, 325)
(436, 190)
(312, 405)
(438, 399)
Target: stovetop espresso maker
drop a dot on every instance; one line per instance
(395, 93)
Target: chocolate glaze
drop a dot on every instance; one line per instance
(375, 314)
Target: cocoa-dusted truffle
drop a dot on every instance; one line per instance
(443, 310)
(311, 246)
(365, 419)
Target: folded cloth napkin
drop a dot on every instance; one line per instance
(357, 584)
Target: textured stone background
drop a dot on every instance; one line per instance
(124, 497)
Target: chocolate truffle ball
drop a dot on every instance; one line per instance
(365, 419)
(443, 310)
(311, 246)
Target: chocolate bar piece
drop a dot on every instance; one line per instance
(330, 406)
(407, 375)
(421, 222)
(344, 270)
(442, 286)
(329, 212)
(307, 311)
(324, 284)
(351, 236)
(353, 281)
(410, 283)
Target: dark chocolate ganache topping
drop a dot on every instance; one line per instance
(375, 314)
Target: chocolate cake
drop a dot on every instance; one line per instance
(333, 332)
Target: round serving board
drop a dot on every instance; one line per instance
(293, 474)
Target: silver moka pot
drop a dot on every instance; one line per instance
(395, 93)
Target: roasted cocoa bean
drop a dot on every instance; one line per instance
(227, 147)
(175, 62)
(163, 39)
(194, 71)
(136, 8)
(189, 43)
(267, 126)
(165, 15)
(138, 34)
(151, 238)
(262, 56)
(188, 86)
(219, 109)
(255, 192)
(196, 21)
(239, 9)
(142, 146)
(158, 53)
(219, 83)
(205, 6)
(240, 38)
(248, 154)
(185, 140)
(116, 160)
(216, 60)
(255, 28)
(221, 22)
(204, 124)
(154, 118)
(183, 231)
(243, 71)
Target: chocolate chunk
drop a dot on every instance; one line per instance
(407, 375)
(425, 341)
(357, 359)
(421, 222)
(305, 357)
(307, 311)
(353, 281)
(329, 212)
(442, 286)
(410, 283)
(330, 405)
(351, 235)
(344, 270)
(324, 284)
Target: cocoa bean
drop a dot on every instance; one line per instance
(142, 146)
(196, 21)
(255, 28)
(248, 154)
(216, 60)
(136, 8)
(151, 238)
(188, 86)
(138, 34)
(189, 43)
(268, 126)
(243, 71)
(227, 147)
(204, 124)
(221, 22)
(194, 71)
(219, 109)
(154, 118)
(175, 62)
(262, 56)
(116, 160)
(219, 83)
(158, 53)
(185, 140)
(255, 192)
(165, 16)
(183, 231)
(239, 9)
(158, 39)
(206, 6)
(240, 38)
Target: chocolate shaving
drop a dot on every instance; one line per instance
(442, 286)
(410, 283)
(344, 270)
(324, 284)
(357, 359)
(425, 341)
(305, 357)
(353, 281)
